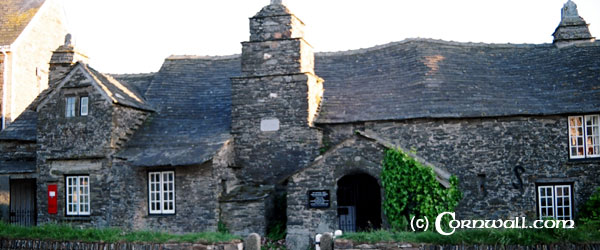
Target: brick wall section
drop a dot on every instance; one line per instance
(32, 50)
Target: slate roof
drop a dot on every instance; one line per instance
(138, 81)
(192, 98)
(120, 92)
(423, 78)
(22, 129)
(14, 17)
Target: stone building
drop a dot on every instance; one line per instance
(209, 140)
(29, 31)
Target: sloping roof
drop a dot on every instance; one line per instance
(119, 92)
(22, 129)
(14, 17)
(192, 97)
(138, 81)
(422, 78)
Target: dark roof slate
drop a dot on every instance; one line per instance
(22, 129)
(192, 97)
(138, 81)
(14, 17)
(120, 92)
(422, 78)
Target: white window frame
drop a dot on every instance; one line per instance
(70, 106)
(161, 192)
(589, 140)
(77, 195)
(84, 105)
(555, 201)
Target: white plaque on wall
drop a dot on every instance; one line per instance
(269, 124)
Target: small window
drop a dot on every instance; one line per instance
(161, 192)
(584, 136)
(83, 106)
(554, 202)
(78, 195)
(70, 107)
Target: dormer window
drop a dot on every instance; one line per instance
(83, 106)
(70, 106)
(584, 136)
(77, 106)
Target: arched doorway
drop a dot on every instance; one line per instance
(359, 203)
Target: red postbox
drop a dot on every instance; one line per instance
(52, 199)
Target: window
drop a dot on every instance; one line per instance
(78, 195)
(161, 192)
(70, 107)
(554, 202)
(83, 106)
(584, 136)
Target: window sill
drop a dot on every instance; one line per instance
(583, 161)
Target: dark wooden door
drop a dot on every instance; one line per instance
(22, 202)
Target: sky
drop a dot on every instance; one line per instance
(135, 36)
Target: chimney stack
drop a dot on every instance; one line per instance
(62, 59)
(572, 29)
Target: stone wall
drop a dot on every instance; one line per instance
(487, 150)
(354, 155)
(274, 97)
(481, 152)
(47, 244)
(17, 150)
(196, 205)
(31, 54)
(348, 244)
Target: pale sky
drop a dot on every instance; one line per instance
(135, 36)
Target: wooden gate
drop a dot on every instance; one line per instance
(22, 202)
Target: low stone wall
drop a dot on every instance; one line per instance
(348, 244)
(6, 244)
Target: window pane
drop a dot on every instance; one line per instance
(83, 106)
(576, 136)
(70, 107)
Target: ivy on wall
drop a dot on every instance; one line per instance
(411, 189)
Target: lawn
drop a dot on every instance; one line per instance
(108, 235)
(583, 234)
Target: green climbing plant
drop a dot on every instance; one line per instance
(411, 189)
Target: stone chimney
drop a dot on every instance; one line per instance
(276, 98)
(62, 59)
(572, 28)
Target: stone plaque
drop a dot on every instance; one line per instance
(271, 124)
(318, 199)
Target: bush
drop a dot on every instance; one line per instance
(411, 189)
(590, 211)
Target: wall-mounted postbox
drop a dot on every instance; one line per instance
(52, 199)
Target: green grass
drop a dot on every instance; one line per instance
(108, 235)
(584, 234)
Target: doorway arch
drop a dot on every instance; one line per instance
(359, 203)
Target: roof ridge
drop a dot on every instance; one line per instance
(430, 40)
(205, 57)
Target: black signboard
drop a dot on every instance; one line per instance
(318, 199)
